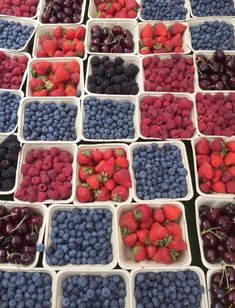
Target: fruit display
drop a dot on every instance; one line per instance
(215, 162)
(54, 78)
(216, 72)
(60, 42)
(160, 38)
(202, 8)
(115, 8)
(172, 74)
(20, 8)
(12, 70)
(45, 174)
(217, 232)
(115, 39)
(103, 175)
(216, 113)
(62, 11)
(166, 116)
(153, 233)
(221, 287)
(19, 232)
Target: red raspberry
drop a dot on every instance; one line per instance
(47, 165)
(36, 180)
(208, 131)
(170, 124)
(33, 172)
(199, 97)
(65, 157)
(175, 133)
(52, 174)
(154, 131)
(63, 191)
(53, 194)
(61, 178)
(55, 185)
(228, 132)
(202, 126)
(38, 165)
(32, 196)
(24, 183)
(25, 168)
(42, 196)
(185, 134)
(68, 184)
(67, 170)
(42, 187)
(58, 167)
(54, 151)
(37, 153)
(20, 194)
(29, 157)
(45, 179)
(217, 130)
(56, 160)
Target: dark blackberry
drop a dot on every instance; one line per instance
(10, 138)
(109, 72)
(98, 80)
(94, 71)
(13, 146)
(118, 61)
(105, 84)
(109, 90)
(11, 156)
(116, 79)
(95, 61)
(125, 88)
(8, 184)
(91, 87)
(8, 173)
(119, 69)
(104, 59)
(101, 70)
(108, 64)
(131, 70)
(4, 164)
(117, 89)
(90, 79)
(99, 90)
(2, 151)
(134, 89)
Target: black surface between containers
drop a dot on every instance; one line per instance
(188, 205)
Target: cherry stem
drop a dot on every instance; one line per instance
(218, 235)
(19, 224)
(8, 215)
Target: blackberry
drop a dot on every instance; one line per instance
(117, 89)
(134, 89)
(101, 70)
(8, 184)
(117, 79)
(99, 90)
(109, 90)
(104, 59)
(13, 146)
(118, 61)
(2, 151)
(4, 164)
(131, 70)
(108, 64)
(95, 61)
(8, 173)
(109, 72)
(90, 79)
(11, 156)
(105, 84)
(125, 88)
(99, 80)
(119, 69)
(94, 71)
(91, 87)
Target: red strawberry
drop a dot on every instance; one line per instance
(75, 78)
(42, 92)
(57, 92)
(139, 253)
(216, 159)
(217, 175)
(144, 50)
(36, 84)
(84, 172)
(70, 90)
(41, 68)
(110, 184)
(143, 236)
(94, 181)
(230, 146)
(147, 224)
(151, 250)
(73, 66)
(69, 34)
(121, 162)
(225, 177)
(102, 194)
(177, 40)
(147, 32)
(61, 74)
(169, 46)
(68, 46)
(230, 187)
(218, 187)
(79, 47)
(83, 193)
(160, 29)
(44, 37)
(119, 152)
(108, 153)
(217, 144)
(229, 159)
(159, 215)
(157, 232)
(84, 157)
(172, 212)
(232, 170)
(97, 156)
(177, 28)
(174, 229)
(177, 244)
(142, 212)
(178, 49)
(41, 54)
(148, 42)
(201, 159)
(130, 239)
(50, 47)
(163, 256)
(98, 168)
(107, 168)
(122, 177)
(206, 171)
(119, 194)
(58, 32)
(202, 147)
(80, 33)
(127, 222)
(205, 187)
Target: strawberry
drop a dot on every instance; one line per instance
(107, 169)
(147, 32)
(163, 256)
(232, 170)
(80, 33)
(160, 29)
(143, 236)
(205, 187)
(131, 14)
(157, 232)
(230, 187)
(102, 194)
(216, 159)
(121, 162)
(218, 187)
(159, 215)
(68, 46)
(178, 50)
(75, 78)
(84, 172)
(161, 40)
(70, 90)
(69, 34)
(177, 244)
(41, 53)
(98, 168)
(148, 42)
(97, 156)
(41, 68)
(130, 4)
(229, 159)
(177, 28)
(108, 153)
(79, 48)
(206, 171)
(202, 147)
(151, 250)
(84, 157)
(119, 194)
(110, 184)
(127, 222)
(83, 193)
(139, 253)
(94, 181)
(61, 74)
(73, 66)
(50, 47)
(174, 228)
(36, 84)
(145, 50)
(57, 92)
(177, 40)
(44, 37)
(58, 32)
(169, 46)
(130, 239)
(217, 144)
(230, 146)
(142, 212)
(147, 224)
(172, 212)
(122, 177)
(119, 152)
(217, 175)
(56, 65)
(70, 53)
(201, 159)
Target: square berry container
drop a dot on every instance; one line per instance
(213, 203)
(68, 207)
(182, 148)
(71, 148)
(48, 28)
(125, 256)
(103, 147)
(18, 54)
(196, 269)
(200, 20)
(38, 208)
(24, 22)
(63, 274)
(28, 18)
(80, 86)
(128, 59)
(117, 98)
(189, 96)
(186, 36)
(214, 194)
(15, 92)
(127, 24)
(45, 100)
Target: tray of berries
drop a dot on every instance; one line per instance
(80, 237)
(22, 8)
(160, 171)
(215, 227)
(22, 229)
(111, 37)
(109, 119)
(46, 173)
(29, 288)
(178, 287)
(103, 174)
(99, 287)
(215, 71)
(13, 69)
(215, 114)
(214, 165)
(56, 120)
(163, 37)
(152, 236)
(61, 77)
(221, 287)
(167, 116)
(214, 9)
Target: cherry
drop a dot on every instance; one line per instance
(27, 258)
(29, 249)
(203, 211)
(117, 30)
(3, 255)
(229, 257)
(229, 210)
(230, 274)
(217, 292)
(230, 243)
(223, 222)
(216, 278)
(211, 255)
(213, 214)
(26, 212)
(205, 224)
(16, 241)
(230, 297)
(217, 305)
(2, 210)
(31, 238)
(9, 228)
(209, 239)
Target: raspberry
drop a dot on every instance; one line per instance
(55, 185)
(61, 177)
(202, 126)
(45, 179)
(154, 131)
(29, 157)
(170, 124)
(33, 172)
(36, 180)
(32, 196)
(68, 184)
(42, 187)
(217, 130)
(63, 190)
(227, 132)
(37, 153)
(175, 133)
(38, 165)
(45, 153)
(47, 165)
(24, 183)
(42, 196)
(52, 174)
(65, 157)
(185, 134)
(56, 160)
(58, 167)
(54, 151)
(20, 193)
(53, 194)
(25, 168)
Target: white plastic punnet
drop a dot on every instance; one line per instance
(28, 18)
(125, 255)
(68, 207)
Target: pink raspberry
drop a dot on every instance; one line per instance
(58, 167)
(170, 124)
(159, 120)
(144, 131)
(149, 100)
(151, 87)
(38, 165)
(175, 133)
(227, 132)
(55, 185)
(146, 121)
(24, 183)
(54, 151)
(185, 103)
(146, 62)
(143, 106)
(186, 112)
(42, 187)
(65, 157)
(25, 168)
(53, 194)
(199, 97)
(37, 153)
(36, 180)
(42, 196)
(217, 130)
(208, 131)
(20, 194)
(68, 184)
(61, 177)
(63, 191)
(32, 196)
(45, 179)
(154, 131)
(152, 77)
(33, 172)
(29, 157)
(202, 126)
(191, 129)
(47, 165)
(52, 174)
(185, 134)
(230, 97)
(178, 121)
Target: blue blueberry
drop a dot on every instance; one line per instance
(202, 8)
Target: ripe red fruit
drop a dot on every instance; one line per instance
(130, 239)
(147, 224)
(216, 159)
(218, 187)
(110, 184)
(202, 147)
(121, 162)
(230, 187)
(83, 193)
(157, 232)
(97, 156)
(159, 215)
(139, 253)
(94, 181)
(206, 171)
(84, 172)
(172, 212)
(102, 194)
(177, 244)
(122, 177)
(163, 256)
(151, 250)
(119, 152)
(127, 222)
(143, 236)
(84, 157)
(108, 153)
(142, 212)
